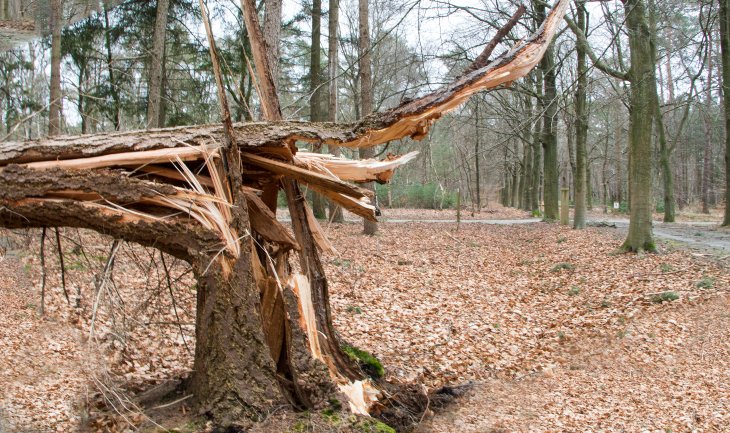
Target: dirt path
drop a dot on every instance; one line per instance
(696, 235)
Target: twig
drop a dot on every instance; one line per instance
(43, 271)
(172, 403)
(102, 283)
(174, 304)
(63, 266)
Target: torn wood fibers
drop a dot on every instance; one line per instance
(180, 194)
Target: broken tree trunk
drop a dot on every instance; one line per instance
(206, 195)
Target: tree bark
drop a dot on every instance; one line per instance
(707, 123)
(316, 88)
(725, 49)
(272, 35)
(366, 90)
(581, 126)
(116, 107)
(551, 181)
(157, 60)
(336, 214)
(643, 90)
(56, 102)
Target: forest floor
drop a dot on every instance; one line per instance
(555, 330)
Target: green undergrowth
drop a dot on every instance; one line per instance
(664, 297)
(369, 363)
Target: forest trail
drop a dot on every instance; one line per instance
(700, 235)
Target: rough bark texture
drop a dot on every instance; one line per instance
(54, 112)
(154, 91)
(234, 375)
(366, 90)
(725, 47)
(272, 35)
(664, 150)
(336, 214)
(641, 119)
(551, 181)
(581, 128)
(316, 108)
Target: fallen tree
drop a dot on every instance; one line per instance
(207, 195)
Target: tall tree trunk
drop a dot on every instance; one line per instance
(643, 90)
(316, 112)
(54, 113)
(581, 125)
(527, 156)
(116, 108)
(618, 154)
(725, 47)
(551, 182)
(272, 35)
(81, 107)
(157, 60)
(476, 157)
(366, 90)
(707, 123)
(589, 185)
(336, 214)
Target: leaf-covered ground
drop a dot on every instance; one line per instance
(558, 331)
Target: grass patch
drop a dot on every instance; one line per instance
(705, 283)
(369, 363)
(574, 291)
(664, 297)
(354, 309)
(563, 266)
(666, 267)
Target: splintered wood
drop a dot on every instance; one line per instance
(361, 394)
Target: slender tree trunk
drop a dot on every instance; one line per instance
(116, 109)
(316, 112)
(366, 90)
(664, 151)
(725, 49)
(581, 126)
(81, 107)
(476, 157)
(643, 91)
(527, 157)
(56, 102)
(336, 214)
(157, 60)
(707, 123)
(618, 154)
(589, 185)
(272, 35)
(551, 182)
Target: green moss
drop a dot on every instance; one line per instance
(375, 426)
(369, 364)
(665, 297)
